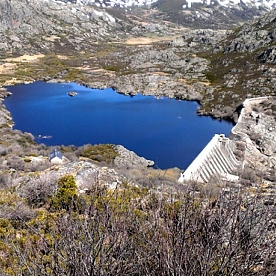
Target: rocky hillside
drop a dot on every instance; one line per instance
(243, 65)
(193, 13)
(182, 4)
(32, 26)
(212, 14)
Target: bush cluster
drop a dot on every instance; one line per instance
(133, 231)
(101, 153)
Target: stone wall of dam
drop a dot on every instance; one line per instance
(255, 131)
(216, 160)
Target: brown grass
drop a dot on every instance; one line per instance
(149, 40)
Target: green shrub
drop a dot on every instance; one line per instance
(102, 152)
(66, 195)
(114, 68)
(212, 77)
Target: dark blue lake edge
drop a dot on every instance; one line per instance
(167, 131)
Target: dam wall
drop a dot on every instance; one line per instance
(215, 160)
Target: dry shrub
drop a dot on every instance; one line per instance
(17, 212)
(71, 156)
(35, 166)
(38, 189)
(13, 208)
(29, 136)
(3, 164)
(5, 180)
(168, 234)
(151, 178)
(15, 162)
(15, 148)
(210, 190)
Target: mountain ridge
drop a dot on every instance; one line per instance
(185, 3)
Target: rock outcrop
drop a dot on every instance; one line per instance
(256, 34)
(41, 26)
(130, 159)
(268, 56)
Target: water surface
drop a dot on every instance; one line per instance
(165, 130)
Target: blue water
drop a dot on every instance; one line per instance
(165, 130)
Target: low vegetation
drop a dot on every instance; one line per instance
(134, 231)
(101, 153)
(48, 66)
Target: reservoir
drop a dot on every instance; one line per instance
(164, 130)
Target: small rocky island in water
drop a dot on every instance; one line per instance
(72, 94)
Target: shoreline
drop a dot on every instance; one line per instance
(62, 81)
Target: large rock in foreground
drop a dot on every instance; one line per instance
(129, 159)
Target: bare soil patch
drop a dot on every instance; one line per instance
(7, 68)
(51, 38)
(160, 74)
(149, 40)
(25, 58)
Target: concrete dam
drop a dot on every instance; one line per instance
(216, 160)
